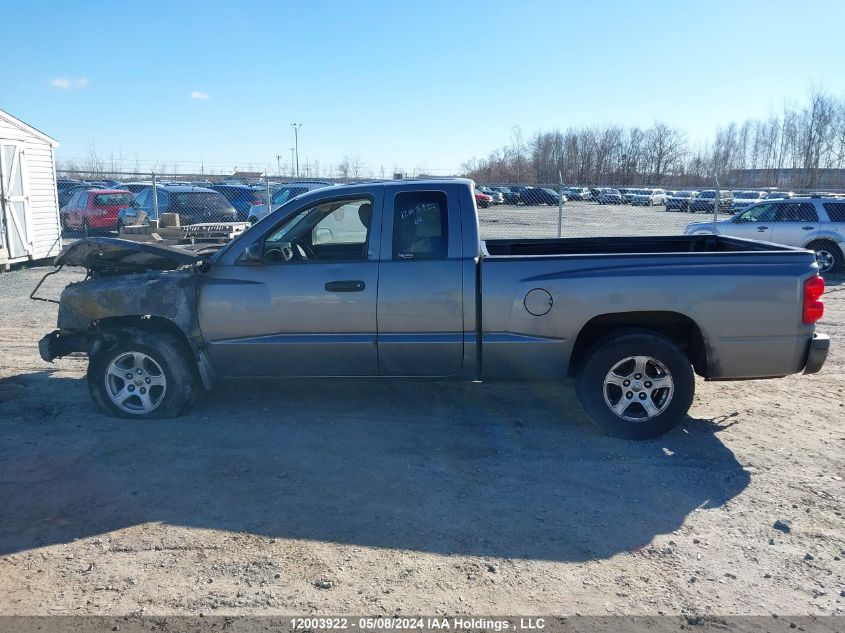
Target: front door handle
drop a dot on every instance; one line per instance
(807, 228)
(345, 286)
(762, 228)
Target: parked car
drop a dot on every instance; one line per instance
(482, 199)
(578, 193)
(744, 199)
(680, 200)
(510, 196)
(66, 193)
(95, 209)
(530, 196)
(625, 192)
(540, 195)
(609, 196)
(67, 183)
(497, 196)
(194, 205)
(646, 197)
(135, 187)
(817, 224)
(398, 294)
(242, 197)
(547, 195)
(772, 195)
(283, 194)
(706, 201)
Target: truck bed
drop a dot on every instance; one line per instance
(628, 245)
(741, 298)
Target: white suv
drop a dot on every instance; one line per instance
(286, 192)
(646, 197)
(815, 223)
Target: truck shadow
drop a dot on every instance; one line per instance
(486, 470)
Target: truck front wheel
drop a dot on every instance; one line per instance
(635, 384)
(143, 376)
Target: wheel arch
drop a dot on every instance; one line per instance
(678, 327)
(106, 331)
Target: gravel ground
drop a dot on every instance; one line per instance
(383, 498)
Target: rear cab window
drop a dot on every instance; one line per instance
(420, 225)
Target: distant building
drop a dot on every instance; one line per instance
(246, 176)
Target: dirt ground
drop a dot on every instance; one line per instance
(402, 498)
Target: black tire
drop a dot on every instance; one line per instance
(606, 354)
(182, 378)
(835, 258)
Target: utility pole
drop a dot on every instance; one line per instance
(296, 127)
(278, 164)
(291, 162)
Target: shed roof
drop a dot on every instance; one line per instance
(28, 128)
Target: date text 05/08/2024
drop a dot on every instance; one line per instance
(418, 623)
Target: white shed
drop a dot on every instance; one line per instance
(29, 205)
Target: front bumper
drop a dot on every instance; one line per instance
(57, 344)
(817, 351)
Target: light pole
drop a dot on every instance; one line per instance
(296, 127)
(291, 162)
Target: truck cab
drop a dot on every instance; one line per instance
(363, 280)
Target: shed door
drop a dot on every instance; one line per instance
(15, 199)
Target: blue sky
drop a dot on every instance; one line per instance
(407, 84)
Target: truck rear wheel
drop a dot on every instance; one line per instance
(143, 376)
(636, 384)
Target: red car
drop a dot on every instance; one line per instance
(95, 209)
(483, 200)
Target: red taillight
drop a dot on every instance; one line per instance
(813, 306)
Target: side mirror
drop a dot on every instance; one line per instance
(252, 255)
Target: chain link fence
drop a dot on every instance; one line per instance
(137, 203)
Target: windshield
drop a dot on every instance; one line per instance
(187, 201)
(113, 199)
(684, 194)
(707, 194)
(748, 195)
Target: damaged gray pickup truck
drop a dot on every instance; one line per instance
(391, 280)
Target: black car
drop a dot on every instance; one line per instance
(529, 195)
(242, 197)
(194, 205)
(545, 195)
(510, 196)
(706, 200)
(680, 200)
